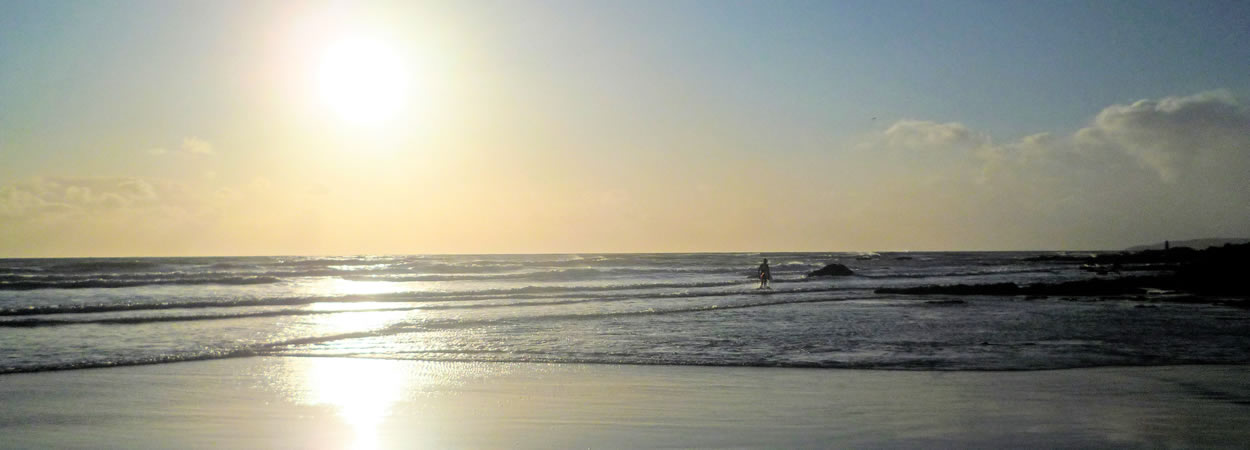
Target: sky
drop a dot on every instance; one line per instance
(154, 128)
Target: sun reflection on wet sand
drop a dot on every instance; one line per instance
(362, 391)
(383, 403)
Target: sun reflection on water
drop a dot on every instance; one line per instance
(339, 286)
(357, 315)
(362, 392)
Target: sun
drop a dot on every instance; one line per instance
(362, 80)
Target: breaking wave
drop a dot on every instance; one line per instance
(55, 282)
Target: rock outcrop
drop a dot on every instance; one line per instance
(831, 270)
(1201, 275)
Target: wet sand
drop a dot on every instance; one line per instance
(296, 402)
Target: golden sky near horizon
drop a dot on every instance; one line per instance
(230, 128)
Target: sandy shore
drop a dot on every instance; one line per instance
(290, 402)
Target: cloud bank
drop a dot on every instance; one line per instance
(1147, 171)
(77, 216)
(1175, 136)
(1168, 168)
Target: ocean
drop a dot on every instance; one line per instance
(669, 309)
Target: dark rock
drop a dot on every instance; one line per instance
(956, 289)
(832, 270)
(1215, 271)
(1199, 275)
(945, 302)
(1062, 257)
(1095, 287)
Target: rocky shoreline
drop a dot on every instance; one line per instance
(1214, 275)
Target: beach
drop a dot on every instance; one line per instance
(316, 402)
(608, 351)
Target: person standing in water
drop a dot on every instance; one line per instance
(766, 275)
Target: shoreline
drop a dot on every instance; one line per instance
(299, 401)
(251, 354)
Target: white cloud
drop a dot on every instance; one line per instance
(197, 146)
(1202, 135)
(1174, 134)
(1154, 169)
(921, 134)
(933, 151)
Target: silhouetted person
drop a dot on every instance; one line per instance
(1167, 245)
(766, 275)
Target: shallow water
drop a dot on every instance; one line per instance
(674, 309)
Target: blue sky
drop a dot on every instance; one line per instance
(1012, 68)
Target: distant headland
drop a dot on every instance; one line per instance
(1196, 244)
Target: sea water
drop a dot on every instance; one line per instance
(677, 309)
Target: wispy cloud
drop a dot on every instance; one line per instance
(44, 198)
(197, 146)
(193, 146)
(924, 134)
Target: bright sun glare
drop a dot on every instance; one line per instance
(362, 80)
